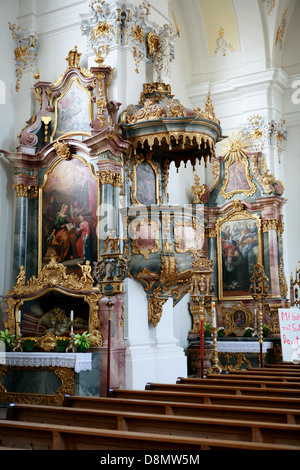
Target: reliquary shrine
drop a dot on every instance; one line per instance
(92, 208)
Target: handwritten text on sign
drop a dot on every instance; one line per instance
(289, 320)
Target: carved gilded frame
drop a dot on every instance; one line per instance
(153, 245)
(179, 232)
(247, 192)
(61, 96)
(137, 160)
(68, 156)
(237, 319)
(67, 387)
(53, 277)
(239, 216)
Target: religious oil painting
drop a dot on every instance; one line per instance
(237, 180)
(239, 250)
(145, 184)
(68, 214)
(73, 112)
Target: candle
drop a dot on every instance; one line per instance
(19, 316)
(72, 315)
(213, 315)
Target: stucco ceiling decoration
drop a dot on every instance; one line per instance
(220, 26)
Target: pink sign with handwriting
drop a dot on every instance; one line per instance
(289, 320)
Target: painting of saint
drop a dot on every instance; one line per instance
(145, 184)
(239, 252)
(238, 179)
(73, 112)
(69, 204)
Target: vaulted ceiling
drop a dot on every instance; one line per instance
(226, 36)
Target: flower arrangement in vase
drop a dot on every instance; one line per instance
(28, 343)
(62, 343)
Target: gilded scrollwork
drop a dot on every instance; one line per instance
(66, 378)
(145, 240)
(237, 319)
(156, 302)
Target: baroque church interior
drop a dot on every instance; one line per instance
(150, 266)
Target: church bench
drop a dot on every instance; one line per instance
(215, 428)
(41, 436)
(253, 377)
(232, 390)
(218, 398)
(267, 373)
(283, 365)
(244, 382)
(270, 414)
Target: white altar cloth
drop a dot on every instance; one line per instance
(76, 361)
(243, 346)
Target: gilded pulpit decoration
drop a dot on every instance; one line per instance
(197, 190)
(25, 52)
(209, 112)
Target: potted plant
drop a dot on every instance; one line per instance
(82, 341)
(265, 330)
(206, 328)
(29, 343)
(248, 331)
(7, 338)
(62, 343)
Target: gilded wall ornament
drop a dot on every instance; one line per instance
(281, 29)
(222, 44)
(270, 4)
(25, 52)
(62, 149)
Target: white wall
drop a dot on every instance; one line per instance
(8, 134)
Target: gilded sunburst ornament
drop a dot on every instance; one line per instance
(235, 147)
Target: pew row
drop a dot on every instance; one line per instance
(236, 381)
(295, 375)
(41, 436)
(226, 389)
(207, 398)
(208, 428)
(269, 414)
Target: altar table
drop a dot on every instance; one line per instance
(46, 377)
(238, 354)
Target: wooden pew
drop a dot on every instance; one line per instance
(268, 373)
(244, 382)
(217, 398)
(231, 390)
(269, 414)
(254, 377)
(216, 428)
(41, 436)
